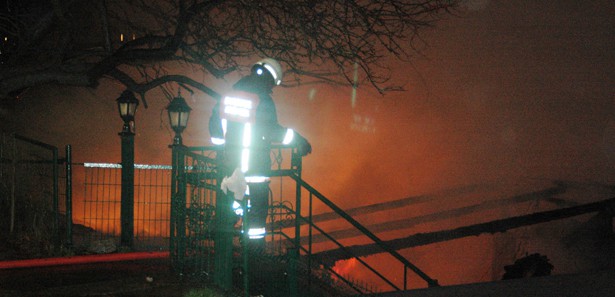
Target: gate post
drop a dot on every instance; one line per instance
(178, 112)
(127, 200)
(69, 196)
(296, 252)
(223, 241)
(178, 208)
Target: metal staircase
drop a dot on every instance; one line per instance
(308, 234)
(204, 236)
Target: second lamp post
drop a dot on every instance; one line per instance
(127, 106)
(178, 112)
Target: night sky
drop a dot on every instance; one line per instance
(513, 91)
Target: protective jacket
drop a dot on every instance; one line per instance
(246, 122)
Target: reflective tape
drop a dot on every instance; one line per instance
(224, 124)
(245, 160)
(237, 208)
(245, 153)
(218, 141)
(257, 179)
(255, 233)
(237, 102)
(288, 138)
(236, 111)
(247, 135)
(273, 73)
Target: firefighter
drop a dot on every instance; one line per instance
(246, 123)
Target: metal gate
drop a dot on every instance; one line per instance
(202, 220)
(193, 201)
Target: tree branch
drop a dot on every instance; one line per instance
(320, 40)
(9, 84)
(143, 88)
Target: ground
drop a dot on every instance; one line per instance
(117, 279)
(141, 278)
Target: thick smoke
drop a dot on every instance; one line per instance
(511, 91)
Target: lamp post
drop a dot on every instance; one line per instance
(179, 113)
(127, 105)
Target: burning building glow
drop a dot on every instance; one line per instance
(507, 95)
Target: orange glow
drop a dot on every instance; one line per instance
(502, 94)
(346, 267)
(97, 201)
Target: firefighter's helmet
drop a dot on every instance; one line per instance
(270, 66)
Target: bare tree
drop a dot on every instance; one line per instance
(138, 42)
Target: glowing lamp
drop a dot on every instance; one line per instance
(178, 112)
(127, 105)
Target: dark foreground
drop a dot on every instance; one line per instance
(129, 278)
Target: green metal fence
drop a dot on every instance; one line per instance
(97, 213)
(33, 200)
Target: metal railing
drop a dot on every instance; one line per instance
(288, 194)
(316, 200)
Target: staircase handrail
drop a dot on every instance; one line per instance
(430, 282)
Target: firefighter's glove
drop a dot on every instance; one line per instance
(304, 148)
(235, 183)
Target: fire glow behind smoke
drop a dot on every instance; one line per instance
(508, 92)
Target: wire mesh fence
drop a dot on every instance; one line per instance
(98, 212)
(32, 215)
